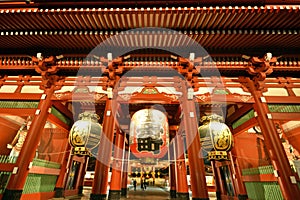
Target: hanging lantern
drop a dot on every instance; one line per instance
(149, 134)
(85, 134)
(215, 136)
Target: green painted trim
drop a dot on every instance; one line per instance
(283, 108)
(4, 178)
(249, 115)
(263, 190)
(220, 91)
(34, 105)
(60, 116)
(39, 183)
(267, 169)
(45, 163)
(19, 104)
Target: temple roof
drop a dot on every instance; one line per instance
(241, 27)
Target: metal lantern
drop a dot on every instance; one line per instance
(215, 136)
(85, 134)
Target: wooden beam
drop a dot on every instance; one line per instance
(63, 109)
(7, 167)
(286, 116)
(244, 127)
(58, 123)
(260, 178)
(18, 111)
(9, 123)
(102, 68)
(238, 113)
(20, 96)
(223, 98)
(44, 170)
(283, 100)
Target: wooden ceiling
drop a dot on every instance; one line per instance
(231, 28)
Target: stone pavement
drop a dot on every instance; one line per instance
(151, 193)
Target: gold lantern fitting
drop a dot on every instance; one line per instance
(85, 134)
(215, 136)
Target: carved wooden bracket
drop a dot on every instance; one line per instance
(260, 68)
(188, 70)
(114, 70)
(47, 68)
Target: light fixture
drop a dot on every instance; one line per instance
(85, 134)
(215, 136)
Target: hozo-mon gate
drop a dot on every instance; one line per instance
(256, 93)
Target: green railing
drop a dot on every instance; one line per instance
(7, 159)
(19, 104)
(45, 163)
(39, 183)
(34, 182)
(263, 190)
(259, 190)
(4, 177)
(268, 169)
(283, 108)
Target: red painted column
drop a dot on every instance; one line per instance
(218, 181)
(196, 163)
(117, 166)
(240, 190)
(17, 180)
(82, 172)
(181, 174)
(219, 178)
(100, 183)
(172, 166)
(125, 171)
(60, 183)
(276, 151)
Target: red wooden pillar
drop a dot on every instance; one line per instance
(100, 183)
(82, 172)
(125, 170)
(181, 174)
(277, 154)
(196, 163)
(61, 180)
(240, 190)
(172, 166)
(17, 180)
(218, 178)
(218, 181)
(115, 184)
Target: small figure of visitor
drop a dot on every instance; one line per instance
(142, 184)
(134, 184)
(145, 184)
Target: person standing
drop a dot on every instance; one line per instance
(145, 184)
(142, 184)
(134, 184)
